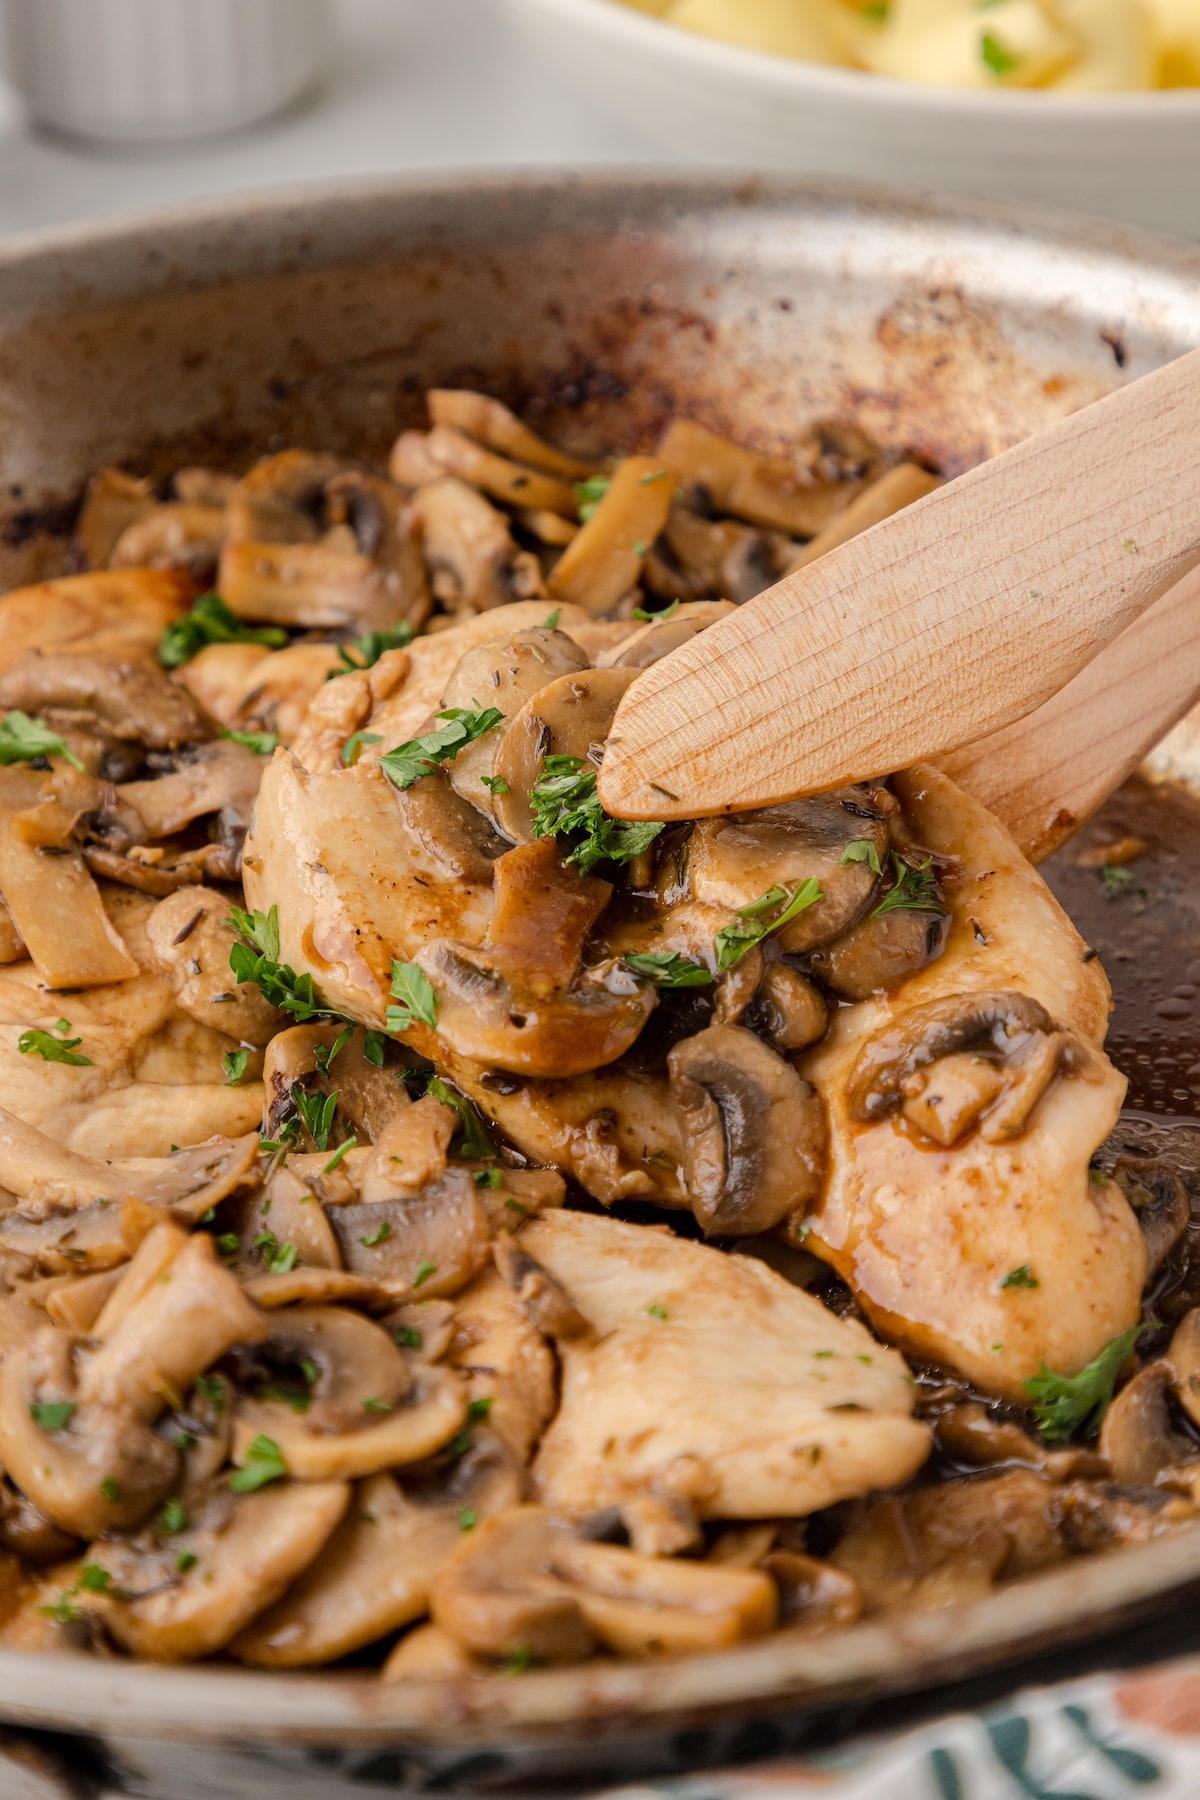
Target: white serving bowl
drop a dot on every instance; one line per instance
(1126, 156)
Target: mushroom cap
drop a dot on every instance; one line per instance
(753, 1131)
(570, 716)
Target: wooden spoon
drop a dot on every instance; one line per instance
(937, 627)
(1045, 775)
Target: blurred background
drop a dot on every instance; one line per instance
(115, 105)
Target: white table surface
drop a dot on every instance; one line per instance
(417, 84)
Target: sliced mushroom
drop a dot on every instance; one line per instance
(53, 902)
(1139, 1439)
(603, 562)
(194, 1591)
(1161, 1202)
(44, 1174)
(1184, 1357)
(491, 422)
(510, 482)
(374, 1574)
(122, 613)
(369, 1409)
(459, 841)
(1009, 1032)
(788, 1009)
(771, 491)
(130, 699)
(545, 1300)
(207, 779)
(974, 1435)
(698, 558)
(507, 1363)
(411, 1153)
(177, 535)
(190, 939)
(661, 636)
(369, 1096)
(880, 952)
(285, 1224)
(753, 1131)
(308, 1286)
(812, 1593)
(503, 673)
(485, 1017)
(429, 1654)
(434, 1241)
(571, 716)
(248, 688)
(543, 914)
(112, 502)
(524, 1583)
(474, 562)
(734, 861)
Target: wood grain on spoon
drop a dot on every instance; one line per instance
(1045, 775)
(939, 626)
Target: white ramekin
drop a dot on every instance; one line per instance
(153, 69)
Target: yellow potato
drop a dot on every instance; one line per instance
(810, 29)
(1118, 46)
(1177, 26)
(949, 44)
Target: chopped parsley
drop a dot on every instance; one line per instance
(550, 623)
(564, 803)
(52, 1415)
(318, 1112)
(862, 850)
(475, 1145)
(589, 494)
(656, 618)
(343, 1149)
(518, 1660)
(211, 622)
(234, 1064)
(95, 1579)
(769, 913)
(996, 56)
(53, 1049)
(63, 1610)
(417, 1003)
(371, 1405)
(264, 1463)
(364, 652)
(914, 888)
(495, 784)
(186, 1560)
(263, 743)
(212, 1388)
(408, 1338)
(1065, 1404)
(110, 1489)
(229, 1243)
(423, 1274)
(172, 1519)
(488, 1178)
(479, 1409)
(325, 1055)
(352, 748)
(374, 1044)
(407, 763)
(380, 1235)
(468, 1519)
(23, 739)
(255, 959)
(657, 1312)
(279, 1259)
(1023, 1277)
(1117, 881)
(666, 968)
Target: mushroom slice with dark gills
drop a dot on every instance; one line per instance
(474, 563)
(711, 1380)
(732, 862)
(753, 1131)
(503, 673)
(368, 1407)
(571, 716)
(312, 543)
(375, 1573)
(657, 639)
(928, 1233)
(76, 1421)
(129, 699)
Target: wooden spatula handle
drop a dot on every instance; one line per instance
(933, 629)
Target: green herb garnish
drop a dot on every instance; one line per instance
(372, 1405)
(407, 763)
(1065, 1404)
(417, 1003)
(364, 652)
(110, 1489)
(564, 803)
(374, 1046)
(343, 1149)
(914, 889)
(256, 960)
(667, 969)
(996, 56)
(408, 1339)
(862, 850)
(380, 1235)
(264, 1463)
(279, 1259)
(23, 739)
(495, 784)
(53, 1049)
(352, 748)
(653, 618)
(318, 1112)
(52, 1415)
(769, 913)
(172, 1519)
(211, 622)
(263, 743)
(95, 1579)
(234, 1064)
(475, 1145)
(423, 1274)
(589, 494)
(1023, 1277)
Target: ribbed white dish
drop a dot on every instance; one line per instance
(153, 69)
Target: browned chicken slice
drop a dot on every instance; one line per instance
(711, 1380)
(964, 1110)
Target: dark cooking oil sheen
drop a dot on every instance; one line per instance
(1145, 924)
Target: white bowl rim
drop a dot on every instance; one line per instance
(793, 75)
